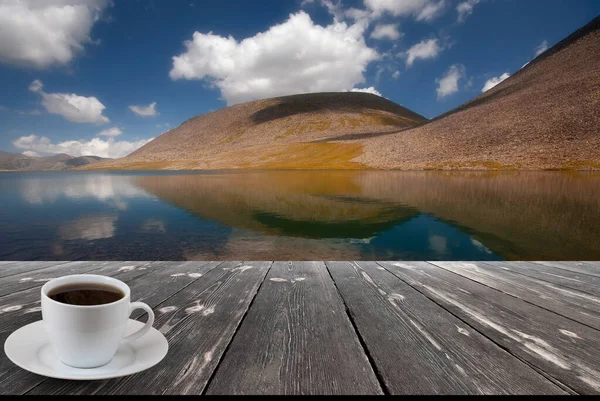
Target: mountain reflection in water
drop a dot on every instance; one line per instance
(301, 215)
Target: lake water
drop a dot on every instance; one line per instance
(299, 216)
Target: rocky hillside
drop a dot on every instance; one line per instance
(545, 116)
(19, 162)
(300, 131)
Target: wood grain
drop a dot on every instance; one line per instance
(589, 268)
(563, 278)
(579, 306)
(420, 348)
(22, 308)
(400, 328)
(12, 268)
(296, 339)
(37, 278)
(564, 350)
(198, 322)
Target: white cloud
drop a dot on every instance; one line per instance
(95, 147)
(75, 108)
(296, 56)
(425, 49)
(541, 48)
(490, 83)
(370, 90)
(111, 132)
(420, 9)
(34, 112)
(334, 8)
(145, 111)
(396, 74)
(465, 9)
(40, 33)
(386, 31)
(165, 125)
(448, 84)
(31, 153)
(359, 15)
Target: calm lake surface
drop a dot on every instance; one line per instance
(299, 216)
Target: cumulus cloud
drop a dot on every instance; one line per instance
(490, 83)
(425, 49)
(541, 48)
(448, 84)
(40, 33)
(422, 10)
(95, 147)
(31, 153)
(396, 74)
(386, 31)
(75, 108)
(362, 16)
(111, 132)
(296, 56)
(370, 90)
(34, 112)
(465, 9)
(145, 111)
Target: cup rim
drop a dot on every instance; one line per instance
(119, 283)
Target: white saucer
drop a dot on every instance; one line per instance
(30, 349)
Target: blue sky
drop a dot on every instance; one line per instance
(73, 69)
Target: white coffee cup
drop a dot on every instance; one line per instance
(88, 336)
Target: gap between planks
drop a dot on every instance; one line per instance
(466, 322)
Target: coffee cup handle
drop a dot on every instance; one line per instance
(147, 326)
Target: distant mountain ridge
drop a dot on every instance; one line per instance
(62, 161)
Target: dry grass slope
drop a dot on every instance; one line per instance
(292, 132)
(545, 116)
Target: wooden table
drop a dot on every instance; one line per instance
(341, 327)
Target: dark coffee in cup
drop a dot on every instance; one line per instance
(86, 294)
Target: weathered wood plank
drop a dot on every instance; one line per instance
(564, 278)
(581, 307)
(199, 322)
(11, 268)
(166, 279)
(593, 264)
(566, 351)
(37, 278)
(296, 339)
(22, 308)
(142, 278)
(419, 347)
(589, 268)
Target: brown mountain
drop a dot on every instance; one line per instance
(19, 162)
(545, 116)
(287, 132)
